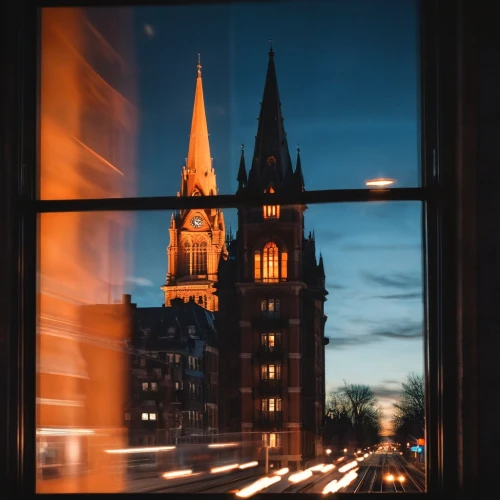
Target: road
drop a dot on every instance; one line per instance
(378, 472)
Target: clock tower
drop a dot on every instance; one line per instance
(197, 236)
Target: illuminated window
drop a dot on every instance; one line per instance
(145, 386)
(271, 211)
(154, 386)
(144, 416)
(270, 308)
(271, 439)
(267, 264)
(270, 341)
(152, 416)
(257, 274)
(271, 372)
(284, 265)
(271, 405)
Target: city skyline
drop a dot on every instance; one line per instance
(372, 253)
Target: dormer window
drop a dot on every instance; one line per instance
(271, 211)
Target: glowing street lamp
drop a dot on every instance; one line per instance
(380, 182)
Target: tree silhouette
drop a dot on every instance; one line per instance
(409, 414)
(352, 417)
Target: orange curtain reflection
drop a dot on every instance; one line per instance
(86, 151)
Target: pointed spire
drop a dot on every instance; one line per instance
(321, 267)
(242, 171)
(299, 178)
(271, 159)
(199, 175)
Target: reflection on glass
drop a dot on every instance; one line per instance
(88, 120)
(347, 74)
(320, 374)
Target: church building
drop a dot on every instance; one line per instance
(197, 237)
(271, 317)
(265, 286)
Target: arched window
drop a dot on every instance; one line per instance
(269, 265)
(199, 258)
(196, 258)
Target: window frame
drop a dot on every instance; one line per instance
(438, 36)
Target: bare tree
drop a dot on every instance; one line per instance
(409, 414)
(352, 413)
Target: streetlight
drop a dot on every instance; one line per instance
(380, 182)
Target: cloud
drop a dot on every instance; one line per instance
(398, 296)
(340, 342)
(391, 381)
(346, 341)
(410, 331)
(137, 280)
(403, 330)
(382, 392)
(329, 285)
(395, 280)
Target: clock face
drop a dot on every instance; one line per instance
(197, 221)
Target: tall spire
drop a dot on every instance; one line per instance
(198, 175)
(271, 160)
(242, 171)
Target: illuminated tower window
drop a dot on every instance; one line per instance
(271, 211)
(270, 269)
(267, 264)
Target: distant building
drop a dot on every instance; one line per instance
(271, 317)
(266, 288)
(174, 374)
(197, 237)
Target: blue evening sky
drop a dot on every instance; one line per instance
(348, 79)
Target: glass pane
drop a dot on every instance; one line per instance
(129, 108)
(154, 378)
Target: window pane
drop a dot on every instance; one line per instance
(123, 112)
(109, 347)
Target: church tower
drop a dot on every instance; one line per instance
(273, 297)
(197, 236)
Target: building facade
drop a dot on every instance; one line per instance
(174, 374)
(197, 237)
(271, 293)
